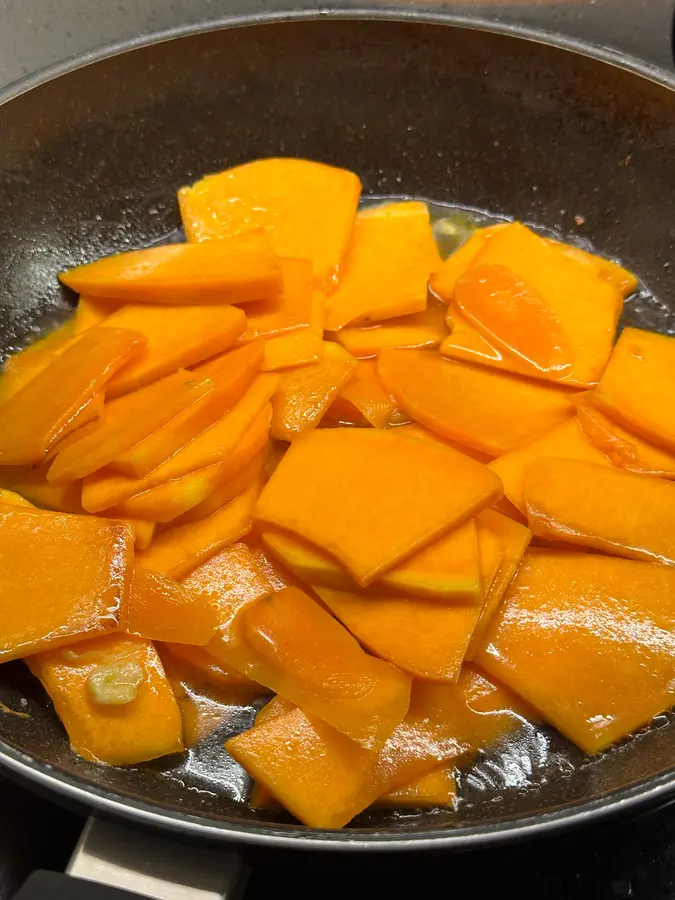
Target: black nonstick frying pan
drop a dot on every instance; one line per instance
(568, 136)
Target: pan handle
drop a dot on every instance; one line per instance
(112, 862)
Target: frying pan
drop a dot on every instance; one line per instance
(510, 120)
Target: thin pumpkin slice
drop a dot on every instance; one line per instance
(160, 609)
(298, 348)
(36, 492)
(289, 643)
(194, 496)
(444, 279)
(89, 414)
(307, 208)
(23, 366)
(236, 368)
(569, 291)
(588, 641)
(514, 539)
(305, 394)
(623, 448)
(224, 489)
(176, 337)
(446, 722)
(638, 386)
(174, 500)
(614, 274)
(233, 270)
(114, 699)
(380, 496)
(466, 343)
(175, 551)
(491, 551)
(602, 507)
(429, 643)
(515, 317)
(233, 578)
(424, 638)
(289, 310)
(443, 723)
(231, 374)
(205, 668)
(566, 441)
(107, 488)
(436, 788)
(276, 574)
(216, 443)
(422, 329)
(390, 258)
(316, 774)
(45, 409)
(76, 431)
(449, 570)
(362, 399)
(67, 500)
(92, 311)
(80, 587)
(190, 475)
(127, 421)
(324, 778)
(490, 411)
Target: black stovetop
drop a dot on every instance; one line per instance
(633, 859)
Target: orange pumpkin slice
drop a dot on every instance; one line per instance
(602, 507)
(305, 394)
(306, 208)
(490, 411)
(566, 441)
(380, 497)
(423, 329)
(62, 577)
(160, 609)
(235, 270)
(289, 310)
(177, 550)
(113, 698)
(385, 274)
(46, 408)
(588, 641)
(638, 384)
(176, 337)
(289, 643)
(448, 570)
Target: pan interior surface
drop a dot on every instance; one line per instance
(90, 164)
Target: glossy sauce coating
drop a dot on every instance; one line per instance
(589, 641)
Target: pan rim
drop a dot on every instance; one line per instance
(617, 58)
(651, 792)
